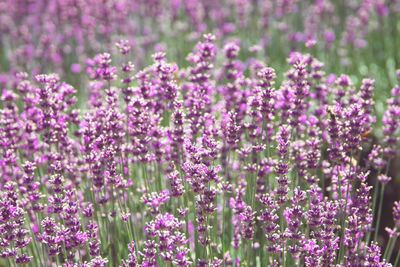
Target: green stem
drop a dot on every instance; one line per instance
(389, 248)
(374, 199)
(378, 222)
(396, 262)
(389, 244)
(343, 224)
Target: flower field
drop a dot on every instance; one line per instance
(204, 133)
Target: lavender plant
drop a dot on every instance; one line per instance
(213, 164)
